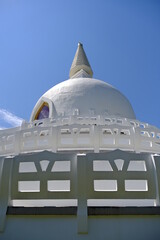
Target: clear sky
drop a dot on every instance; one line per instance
(38, 40)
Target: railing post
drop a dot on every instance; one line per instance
(96, 137)
(17, 142)
(5, 178)
(82, 215)
(137, 140)
(156, 165)
(54, 139)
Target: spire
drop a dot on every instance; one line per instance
(80, 63)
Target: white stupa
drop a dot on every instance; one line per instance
(84, 96)
(83, 167)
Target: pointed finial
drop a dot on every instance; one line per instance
(80, 44)
(80, 62)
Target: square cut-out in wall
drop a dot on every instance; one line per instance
(105, 185)
(28, 144)
(66, 140)
(124, 141)
(136, 185)
(58, 185)
(102, 165)
(108, 140)
(137, 166)
(42, 142)
(146, 144)
(29, 186)
(83, 140)
(25, 167)
(61, 166)
(9, 147)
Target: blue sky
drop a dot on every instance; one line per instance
(38, 40)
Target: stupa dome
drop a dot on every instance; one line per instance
(82, 95)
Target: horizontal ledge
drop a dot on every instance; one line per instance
(91, 211)
(41, 210)
(124, 211)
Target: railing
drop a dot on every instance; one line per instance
(92, 134)
(91, 179)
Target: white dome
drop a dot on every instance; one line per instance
(81, 95)
(85, 96)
